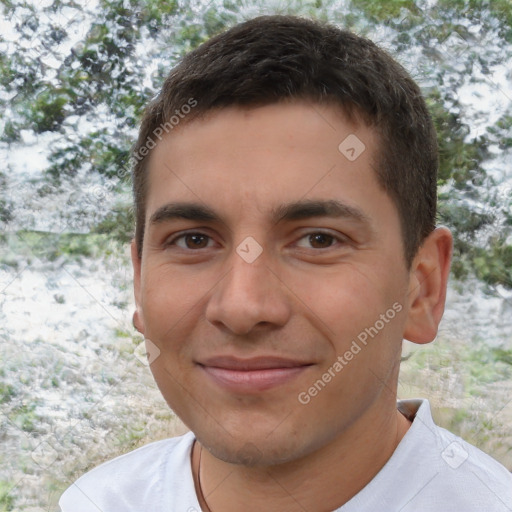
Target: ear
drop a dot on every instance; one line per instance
(427, 286)
(138, 319)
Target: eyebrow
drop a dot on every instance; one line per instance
(298, 210)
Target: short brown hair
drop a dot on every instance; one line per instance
(270, 59)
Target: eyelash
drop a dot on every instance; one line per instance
(335, 238)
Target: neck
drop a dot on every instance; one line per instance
(334, 473)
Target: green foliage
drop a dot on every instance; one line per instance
(154, 12)
(502, 355)
(11, 132)
(459, 160)
(476, 10)
(118, 224)
(71, 246)
(502, 131)
(7, 74)
(494, 266)
(381, 11)
(454, 420)
(25, 417)
(492, 263)
(6, 499)
(105, 79)
(475, 363)
(7, 392)
(5, 207)
(47, 112)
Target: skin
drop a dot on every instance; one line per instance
(303, 297)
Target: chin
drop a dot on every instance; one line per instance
(250, 450)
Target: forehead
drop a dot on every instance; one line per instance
(252, 160)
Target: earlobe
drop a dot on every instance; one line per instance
(428, 282)
(137, 322)
(137, 319)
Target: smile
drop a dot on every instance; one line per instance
(252, 375)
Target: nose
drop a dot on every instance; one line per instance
(249, 296)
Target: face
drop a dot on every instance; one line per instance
(272, 279)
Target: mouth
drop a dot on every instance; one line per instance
(252, 375)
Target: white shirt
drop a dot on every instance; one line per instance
(431, 470)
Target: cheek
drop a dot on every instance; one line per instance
(175, 390)
(171, 310)
(348, 300)
(169, 294)
(174, 300)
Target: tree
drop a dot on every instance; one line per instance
(78, 78)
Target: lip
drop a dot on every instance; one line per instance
(252, 375)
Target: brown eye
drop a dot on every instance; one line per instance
(190, 241)
(197, 241)
(320, 240)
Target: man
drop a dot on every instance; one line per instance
(285, 245)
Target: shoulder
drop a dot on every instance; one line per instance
(132, 481)
(479, 477)
(454, 472)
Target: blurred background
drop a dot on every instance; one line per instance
(75, 388)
